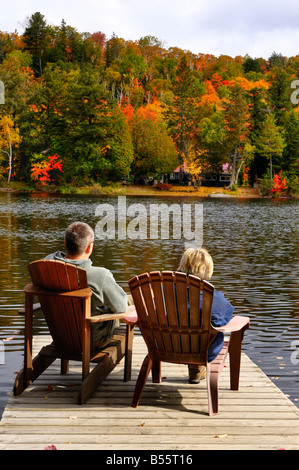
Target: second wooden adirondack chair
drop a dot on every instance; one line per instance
(65, 300)
(174, 316)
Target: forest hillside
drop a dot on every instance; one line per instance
(77, 108)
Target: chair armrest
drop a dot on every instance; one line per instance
(36, 306)
(129, 316)
(105, 317)
(237, 323)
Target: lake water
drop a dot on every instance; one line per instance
(254, 244)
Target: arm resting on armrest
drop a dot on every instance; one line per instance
(130, 316)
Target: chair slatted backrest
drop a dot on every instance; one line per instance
(64, 314)
(174, 315)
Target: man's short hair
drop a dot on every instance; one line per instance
(77, 237)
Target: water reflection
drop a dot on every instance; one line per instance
(254, 244)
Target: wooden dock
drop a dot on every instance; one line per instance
(171, 415)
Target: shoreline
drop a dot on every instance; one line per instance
(132, 190)
(144, 191)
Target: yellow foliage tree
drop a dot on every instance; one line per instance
(194, 166)
(9, 138)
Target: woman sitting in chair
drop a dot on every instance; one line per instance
(199, 262)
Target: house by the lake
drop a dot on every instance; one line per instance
(180, 176)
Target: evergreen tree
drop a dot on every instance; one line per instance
(276, 60)
(290, 156)
(270, 142)
(113, 49)
(279, 95)
(36, 40)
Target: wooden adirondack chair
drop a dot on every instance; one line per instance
(65, 300)
(177, 328)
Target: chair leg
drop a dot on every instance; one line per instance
(128, 352)
(64, 366)
(156, 372)
(95, 377)
(107, 359)
(212, 386)
(39, 364)
(141, 381)
(235, 358)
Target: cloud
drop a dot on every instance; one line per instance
(231, 27)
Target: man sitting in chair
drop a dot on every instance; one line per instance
(107, 295)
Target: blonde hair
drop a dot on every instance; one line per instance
(197, 262)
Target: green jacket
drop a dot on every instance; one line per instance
(107, 295)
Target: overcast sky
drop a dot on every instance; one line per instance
(231, 27)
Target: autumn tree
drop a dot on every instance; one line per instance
(154, 150)
(113, 49)
(45, 170)
(259, 107)
(182, 112)
(237, 129)
(20, 89)
(9, 138)
(71, 94)
(211, 142)
(48, 112)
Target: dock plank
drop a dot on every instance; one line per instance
(172, 415)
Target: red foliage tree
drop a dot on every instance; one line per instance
(279, 185)
(44, 171)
